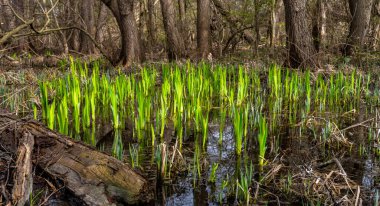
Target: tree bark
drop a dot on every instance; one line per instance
(151, 27)
(123, 10)
(376, 25)
(87, 13)
(257, 27)
(175, 43)
(361, 15)
(23, 180)
(96, 178)
(101, 21)
(319, 24)
(273, 23)
(73, 37)
(203, 27)
(301, 52)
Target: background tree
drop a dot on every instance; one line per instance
(301, 52)
(88, 17)
(123, 10)
(203, 27)
(360, 11)
(174, 41)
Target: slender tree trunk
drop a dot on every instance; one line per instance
(361, 15)
(203, 27)
(319, 24)
(151, 27)
(257, 27)
(183, 23)
(130, 41)
(301, 52)
(376, 26)
(73, 38)
(273, 24)
(87, 12)
(10, 21)
(175, 43)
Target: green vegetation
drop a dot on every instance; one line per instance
(190, 99)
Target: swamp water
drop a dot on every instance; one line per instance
(210, 135)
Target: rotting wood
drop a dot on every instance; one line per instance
(23, 180)
(93, 176)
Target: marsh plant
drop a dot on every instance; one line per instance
(186, 98)
(262, 139)
(212, 177)
(134, 155)
(238, 121)
(243, 184)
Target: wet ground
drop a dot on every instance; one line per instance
(329, 156)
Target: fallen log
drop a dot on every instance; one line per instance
(23, 180)
(93, 176)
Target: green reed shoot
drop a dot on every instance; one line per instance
(44, 99)
(134, 155)
(114, 107)
(238, 121)
(223, 83)
(51, 115)
(243, 82)
(222, 123)
(262, 139)
(75, 102)
(63, 116)
(275, 81)
(162, 115)
(143, 107)
(243, 184)
(86, 113)
(105, 86)
(308, 91)
(164, 105)
(205, 129)
(212, 177)
(117, 145)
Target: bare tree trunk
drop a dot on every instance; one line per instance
(361, 15)
(376, 29)
(10, 21)
(87, 12)
(175, 43)
(203, 27)
(319, 24)
(73, 37)
(101, 21)
(183, 26)
(376, 26)
(273, 24)
(257, 27)
(151, 27)
(123, 10)
(301, 52)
